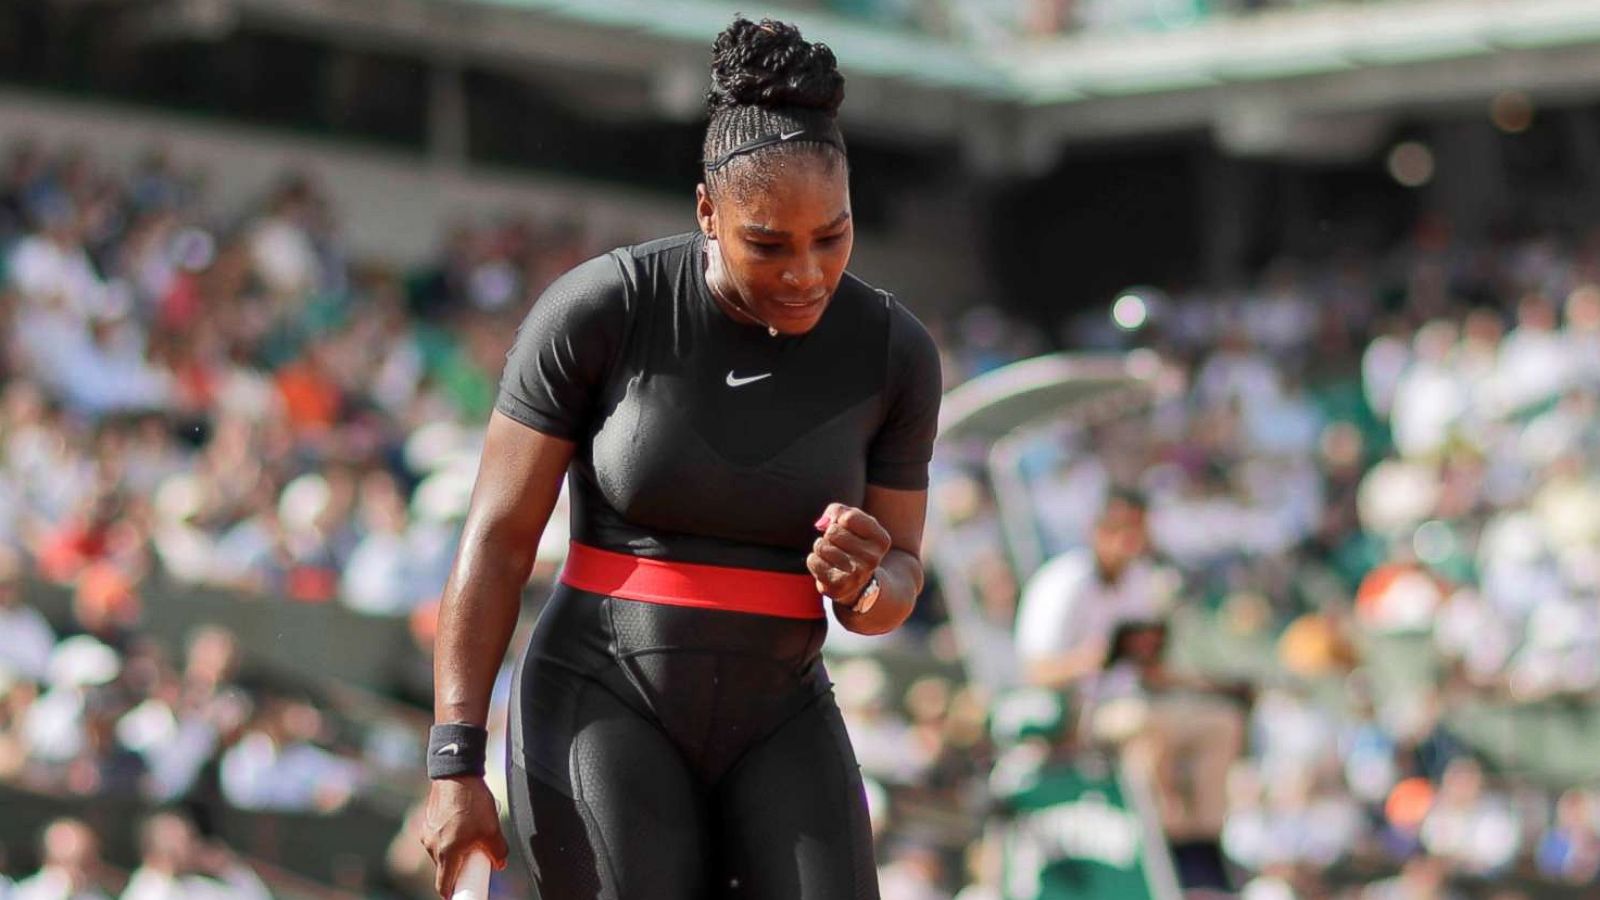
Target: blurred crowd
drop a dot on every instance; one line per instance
(1376, 461)
(1380, 493)
(239, 397)
(990, 22)
(174, 861)
(224, 400)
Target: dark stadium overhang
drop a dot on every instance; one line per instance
(901, 86)
(1296, 81)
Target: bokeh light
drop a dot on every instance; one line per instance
(1130, 312)
(1511, 112)
(1411, 164)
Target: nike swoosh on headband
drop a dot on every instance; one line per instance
(808, 134)
(737, 382)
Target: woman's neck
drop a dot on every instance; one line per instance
(722, 292)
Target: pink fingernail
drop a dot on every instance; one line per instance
(822, 523)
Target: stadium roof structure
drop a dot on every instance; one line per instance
(870, 49)
(1316, 40)
(1059, 386)
(1266, 83)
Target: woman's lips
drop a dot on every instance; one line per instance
(801, 307)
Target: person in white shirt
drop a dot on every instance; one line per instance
(1430, 399)
(1474, 830)
(177, 865)
(280, 243)
(1384, 364)
(276, 765)
(914, 872)
(1236, 373)
(1582, 334)
(1073, 604)
(52, 267)
(29, 639)
(378, 576)
(71, 869)
(1534, 365)
(1075, 612)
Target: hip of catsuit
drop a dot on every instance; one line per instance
(713, 682)
(683, 752)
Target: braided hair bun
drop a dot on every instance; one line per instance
(768, 64)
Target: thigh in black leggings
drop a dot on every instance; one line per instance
(792, 816)
(683, 754)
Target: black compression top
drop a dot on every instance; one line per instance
(704, 440)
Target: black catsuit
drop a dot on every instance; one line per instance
(662, 752)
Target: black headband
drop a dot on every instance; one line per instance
(807, 135)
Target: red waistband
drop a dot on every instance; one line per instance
(691, 584)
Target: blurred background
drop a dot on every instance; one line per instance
(1272, 335)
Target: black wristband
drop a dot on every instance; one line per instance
(456, 749)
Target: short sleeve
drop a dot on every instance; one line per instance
(556, 369)
(903, 447)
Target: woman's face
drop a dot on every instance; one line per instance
(779, 251)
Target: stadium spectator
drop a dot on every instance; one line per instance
(196, 715)
(1534, 366)
(1583, 334)
(1474, 830)
(378, 578)
(1422, 878)
(177, 864)
(277, 764)
(104, 766)
(1072, 606)
(1430, 400)
(72, 867)
(281, 246)
(29, 639)
(56, 726)
(16, 698)
(1093, 621)
(914, 872)
(1570, 850)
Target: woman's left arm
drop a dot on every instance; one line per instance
(883, 538)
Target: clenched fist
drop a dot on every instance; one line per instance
(847, 553)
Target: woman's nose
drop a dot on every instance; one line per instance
(805, 276)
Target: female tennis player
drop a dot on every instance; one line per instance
(746, 430)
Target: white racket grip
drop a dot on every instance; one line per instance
(472, 882)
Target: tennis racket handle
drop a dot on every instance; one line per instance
(472, 882)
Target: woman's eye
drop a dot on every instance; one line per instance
(765, 247)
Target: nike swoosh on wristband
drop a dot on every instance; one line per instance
(450, 749)
(738, 382)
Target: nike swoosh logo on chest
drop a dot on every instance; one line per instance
(734, 381)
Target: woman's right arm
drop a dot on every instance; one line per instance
(518, 481)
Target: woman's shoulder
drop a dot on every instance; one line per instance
(671, 248)
(907, 334)
(601, 294)
(594, 280)
(616, 270)
(862, 291)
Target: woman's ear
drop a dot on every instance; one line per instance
(705, 212)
